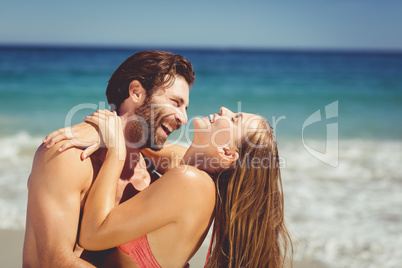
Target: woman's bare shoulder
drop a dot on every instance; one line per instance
(189, 173)
(191, 181)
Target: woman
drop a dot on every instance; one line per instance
(229, 174)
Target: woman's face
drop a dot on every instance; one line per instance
(224, 129)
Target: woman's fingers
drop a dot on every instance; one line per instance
(94, 120)
(83, 134)
(51, 135)
(90, 150)
(68, 144)
(54, 137)
(61, 135)
(102, 113)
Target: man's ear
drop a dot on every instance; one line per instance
(136, 92)
(228, 155)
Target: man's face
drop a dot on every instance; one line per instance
(160, 114)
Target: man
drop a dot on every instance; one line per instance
(59, 182)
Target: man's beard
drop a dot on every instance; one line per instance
(141, 130)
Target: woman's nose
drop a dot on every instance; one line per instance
(225, 111)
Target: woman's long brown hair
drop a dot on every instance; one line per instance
(249, 227)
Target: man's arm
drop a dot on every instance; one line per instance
(54, 203)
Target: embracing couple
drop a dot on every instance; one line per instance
(97, 199)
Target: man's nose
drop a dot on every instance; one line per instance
(181, 117)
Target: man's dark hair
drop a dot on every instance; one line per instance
(152, 69)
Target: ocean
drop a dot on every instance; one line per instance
(336, 116)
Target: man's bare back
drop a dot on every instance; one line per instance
(58, 187)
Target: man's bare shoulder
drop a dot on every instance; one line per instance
(52, 153)
(50, 164)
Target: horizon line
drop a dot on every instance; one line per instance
(202, 48)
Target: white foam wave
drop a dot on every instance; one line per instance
(16, 157)
(347, 216)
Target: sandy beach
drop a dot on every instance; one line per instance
(11, 248)
(12, 242)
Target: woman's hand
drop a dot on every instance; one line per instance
(111, 131)
(102, 196)
(81, 135)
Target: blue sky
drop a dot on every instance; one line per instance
(305, 24)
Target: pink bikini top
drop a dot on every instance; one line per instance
(140, 252)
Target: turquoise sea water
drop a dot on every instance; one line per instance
(46, 83)
(343, 202)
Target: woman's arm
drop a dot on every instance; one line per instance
(167, 201)
(181, 193)
(101, 198)
(84, 135)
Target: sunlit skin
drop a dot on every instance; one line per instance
(217, 136)
(172, 101)
(223, 128)
(60, 182)
(175, 100)
(176, 210)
